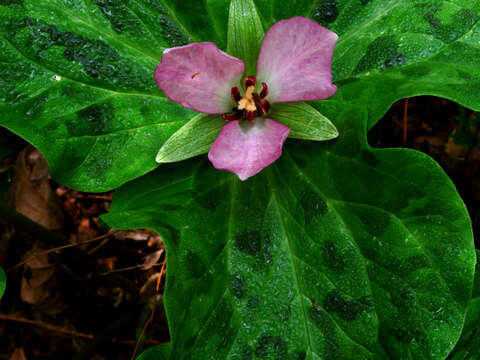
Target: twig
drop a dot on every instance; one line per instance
(45, 252)
(45, 326)
(131, 268)
(58, 329)
(154, 305)
(73, 260)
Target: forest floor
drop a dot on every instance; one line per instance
(78, 291)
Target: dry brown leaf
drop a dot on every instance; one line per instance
(152, 259)
(35, 280)
(31, 193)
(18, 354)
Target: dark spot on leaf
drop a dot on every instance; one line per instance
(248, 242)
(171, 32)
(365, 2)
(332, 257)
(190, 342)
(325, 12)
(194, 265)
(11, 3)
(376, 222)
(460, 23)
(369, 158)
(416, 71)
(381, 54)
(269, 346)
(209, 200)
(403, 298)
(313, 205)
(253, 302)
(467, 76)
(114, 11)
(412, 264)
(298, 355)
(99, 59)
(347, 309)
(238, 286)
(93, 120)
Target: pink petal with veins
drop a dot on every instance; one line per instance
(295, 61)
(199, 76)
(245, 148)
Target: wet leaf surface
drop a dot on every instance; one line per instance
(357, 254)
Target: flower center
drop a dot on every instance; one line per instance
(251, 105)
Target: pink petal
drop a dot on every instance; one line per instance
(245, 148)
(295, 61)
(199, 76)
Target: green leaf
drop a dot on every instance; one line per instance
(159, 352)
(192, 139)
(76, 80)
(304, 120)
(245, 34)
(76, 77)
(3, 282)
(337, 250)
(389, 50)
(468, 346)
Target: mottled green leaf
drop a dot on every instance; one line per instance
(3, 282)
(76, 76)
(192, 139)
(468, 346)
(337, 250)
(76, 80)
(245, 34)
(304, 120)
(389, 50)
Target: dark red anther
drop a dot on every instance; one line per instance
(236, 97)
(265, 107)
(250, 115)
(249, 81)
(264, 92)
(257, 101)
(230, 117)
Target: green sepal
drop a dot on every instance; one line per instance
(305, 122)
(245, 33)
(192, 139)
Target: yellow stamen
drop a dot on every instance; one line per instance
(247, 103)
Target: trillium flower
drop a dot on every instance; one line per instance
(294, 64)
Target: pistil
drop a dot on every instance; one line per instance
(251, 105)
